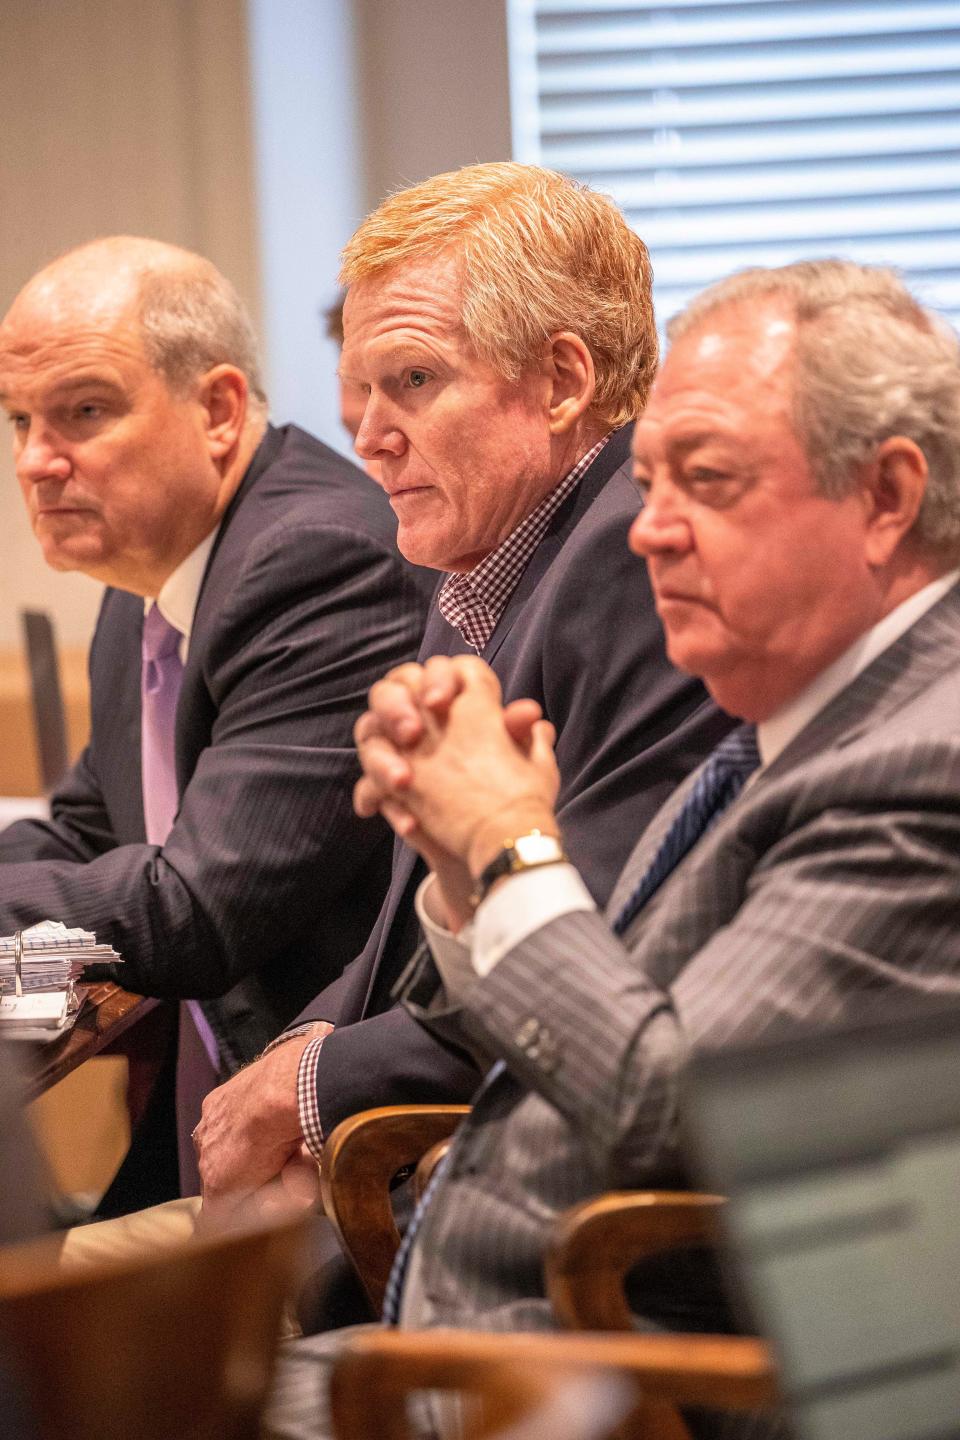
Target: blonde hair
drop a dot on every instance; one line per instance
(870, 362)
(538, 253)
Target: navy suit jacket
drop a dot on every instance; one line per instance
(579, 635)
(267, 884)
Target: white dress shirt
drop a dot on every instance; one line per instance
(179, 593)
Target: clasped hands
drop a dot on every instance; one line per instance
(453, 770)
(455, 773)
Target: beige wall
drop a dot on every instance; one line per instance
(115, 115)
(135, 115)
(434, 88)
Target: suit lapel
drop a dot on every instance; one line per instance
(911, 664)
(906, 668)
(441, 638)
(611, 457)
(118, 720)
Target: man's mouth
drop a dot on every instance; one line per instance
(407, 491)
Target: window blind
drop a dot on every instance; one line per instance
(754, 132)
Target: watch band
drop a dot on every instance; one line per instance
(526, 852)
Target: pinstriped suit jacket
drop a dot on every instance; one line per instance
(833, 878)
(268, 883)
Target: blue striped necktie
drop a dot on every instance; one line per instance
(398, 1271)
(719, 782)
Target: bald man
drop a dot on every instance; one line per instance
(255, 592)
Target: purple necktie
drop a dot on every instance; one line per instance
(198, 1059)
(160, 681)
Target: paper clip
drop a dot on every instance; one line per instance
(18, 963)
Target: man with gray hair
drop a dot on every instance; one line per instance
(255, 591)
(799, 463)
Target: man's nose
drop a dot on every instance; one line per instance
(378, 432)
(39, 454)
(660, 526)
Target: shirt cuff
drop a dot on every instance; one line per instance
(291, 1034)
(520, 905)
(307, 1096)
(451, 953)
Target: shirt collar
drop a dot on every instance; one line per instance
(179, 593)
(474, 600)
(775, 734)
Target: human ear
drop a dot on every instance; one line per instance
(894, 483)
(568, 365)
(223, 396)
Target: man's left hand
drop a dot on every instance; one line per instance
(463, 777)
(250, 1127)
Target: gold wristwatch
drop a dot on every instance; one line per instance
(526, 852)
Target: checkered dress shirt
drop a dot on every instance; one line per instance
(472, 603)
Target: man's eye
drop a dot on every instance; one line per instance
(19, 422)
(416, 378)
(89, 410)
(641, 483)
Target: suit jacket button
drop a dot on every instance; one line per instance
(528, 1034)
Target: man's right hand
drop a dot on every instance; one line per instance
(250, 1127)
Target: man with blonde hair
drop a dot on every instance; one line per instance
(255, 590)
(798, 465)
(499, 334)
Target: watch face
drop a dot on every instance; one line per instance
(535, 849)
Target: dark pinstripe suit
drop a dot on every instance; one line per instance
(268, 884)
(833, 879)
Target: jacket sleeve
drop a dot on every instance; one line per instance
(846, 909)
(265, 831)
(79, 827)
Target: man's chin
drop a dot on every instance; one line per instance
(68, 559)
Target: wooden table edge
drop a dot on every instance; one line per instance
(108, 1011)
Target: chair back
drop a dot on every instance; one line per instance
(361, 1157)
(49, 718)
(173, 1346)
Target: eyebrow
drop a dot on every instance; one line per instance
(70, 384)
(92, 381)
(408, 352)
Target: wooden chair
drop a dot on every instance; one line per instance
(373, 1378)
(361, 1159)
(175, 1346)
(594, 1247)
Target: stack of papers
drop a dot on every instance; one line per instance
(38, 968)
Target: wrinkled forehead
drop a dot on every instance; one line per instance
(46, 347)
(735, 352)
(417, 295)
(730, 376)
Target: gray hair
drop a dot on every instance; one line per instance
(192, 319)
(871, 363)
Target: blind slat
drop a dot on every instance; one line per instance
(871, 102)
(609, 165)
(787, 64)
(594, 33)
(736, 132)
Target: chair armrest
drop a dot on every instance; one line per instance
(595, 1244)
(427, 1164)
(377, 1371)
(360, 1159)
